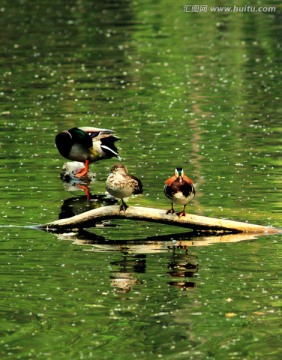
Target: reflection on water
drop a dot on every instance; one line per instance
(181, 266)
(123, 278)
(73, 183)
(196, 90)
(79, 204)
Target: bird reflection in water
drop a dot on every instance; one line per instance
(123, 279)
(73, 183)
(77, 205)
(182, 266)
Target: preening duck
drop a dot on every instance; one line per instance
(87, 144)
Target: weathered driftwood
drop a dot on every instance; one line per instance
(195, 222)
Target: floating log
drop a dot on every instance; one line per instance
(197, 223)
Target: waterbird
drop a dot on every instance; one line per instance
(180, 189)
(87, 144)
(122, 185)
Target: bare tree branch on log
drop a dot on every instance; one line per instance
(197, 223)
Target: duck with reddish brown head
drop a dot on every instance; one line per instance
(180, 189)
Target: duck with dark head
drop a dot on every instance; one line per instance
(87, 144)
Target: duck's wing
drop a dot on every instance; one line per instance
(93, 130)
(103, 140)
(98, 133)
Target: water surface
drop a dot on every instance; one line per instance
(197, 90)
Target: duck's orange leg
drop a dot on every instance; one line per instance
(86, 190)
(83, 171)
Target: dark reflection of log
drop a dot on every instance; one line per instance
(152, 244)
(181, 265)
(79, 204)
(195, 222)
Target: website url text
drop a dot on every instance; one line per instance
(228, 9)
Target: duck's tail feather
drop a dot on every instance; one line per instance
(111, 152)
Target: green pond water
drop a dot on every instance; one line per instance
(201, 90)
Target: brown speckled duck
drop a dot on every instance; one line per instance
(121, 185)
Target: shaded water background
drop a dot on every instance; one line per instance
(199, 90)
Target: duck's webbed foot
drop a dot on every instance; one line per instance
(181, 213)
(123, 206)
(171, 210)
